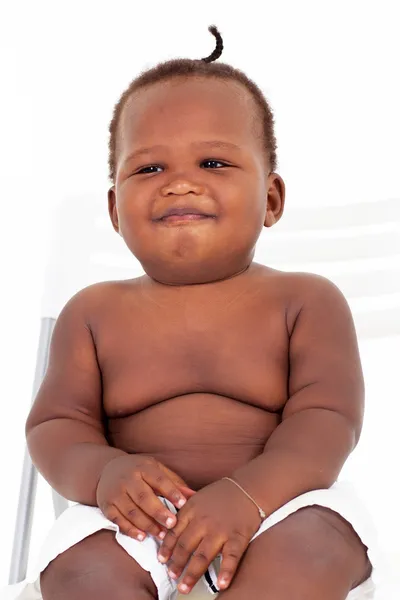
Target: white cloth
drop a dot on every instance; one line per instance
(80, 521)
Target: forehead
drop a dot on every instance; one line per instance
(179, 109)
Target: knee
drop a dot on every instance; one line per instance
(337, 542)
(80, 574)
(59, 583)
(64, 584)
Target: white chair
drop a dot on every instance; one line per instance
(356, 246)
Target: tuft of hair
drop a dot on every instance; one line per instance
(186, 68)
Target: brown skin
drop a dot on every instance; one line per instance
(218, 366)
(243, 196)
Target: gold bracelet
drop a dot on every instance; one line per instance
(260, 510)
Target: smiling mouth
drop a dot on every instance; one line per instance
(188, 218)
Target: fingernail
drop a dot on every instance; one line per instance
(162, 535)
(181, 502)
(140, 537)
(183, 587)
(172, 574)
(170, 522)
(161, 558)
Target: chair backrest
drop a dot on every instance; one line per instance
(356, 246)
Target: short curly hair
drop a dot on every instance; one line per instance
(187, 68)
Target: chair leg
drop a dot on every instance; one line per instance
(26, 503)
(23, 525)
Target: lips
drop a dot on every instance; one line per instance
(184, 211)
(188, 217)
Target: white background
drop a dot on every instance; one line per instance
(330, 71)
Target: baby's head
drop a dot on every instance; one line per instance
(193, 134)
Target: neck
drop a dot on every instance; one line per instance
(169, 284)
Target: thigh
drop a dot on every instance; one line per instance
(310, 555)
(97, 567)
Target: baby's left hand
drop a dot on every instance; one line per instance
(219, 519)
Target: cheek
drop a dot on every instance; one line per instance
(133, 205)
(250, 210)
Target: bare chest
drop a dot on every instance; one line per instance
(234, 347)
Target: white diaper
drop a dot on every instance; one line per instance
(80, 521)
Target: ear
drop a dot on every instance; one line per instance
(275, 199)
(112, 209)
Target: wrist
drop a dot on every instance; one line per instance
(250, 508)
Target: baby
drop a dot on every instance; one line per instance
(200, 415)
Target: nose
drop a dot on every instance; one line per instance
(182, 186)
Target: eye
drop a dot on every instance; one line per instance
(211, 160)
(146, 170)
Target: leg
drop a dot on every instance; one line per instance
(97, 567)
(313, 554)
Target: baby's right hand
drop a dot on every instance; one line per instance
(127, 495)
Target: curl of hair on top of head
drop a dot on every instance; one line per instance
(205, 67)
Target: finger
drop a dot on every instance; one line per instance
(142, 496)
(137, 517)
(132, 513)
(125, 526)
(232, 553)
(205, 553)
(185, 545)
(174, 477)
(187, 492)
(167, 484)
(168, 545)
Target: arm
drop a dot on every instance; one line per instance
(322, 419)
(64, 429)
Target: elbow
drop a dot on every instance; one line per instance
(28, 427)
(31, 423)
(353, 428)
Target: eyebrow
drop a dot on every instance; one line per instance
(211, 143)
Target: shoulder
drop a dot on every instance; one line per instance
(318, 301)
(311, 286)
(303, 291)
(98, 297)
(298, 285)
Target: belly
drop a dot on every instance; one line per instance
(202, 437)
